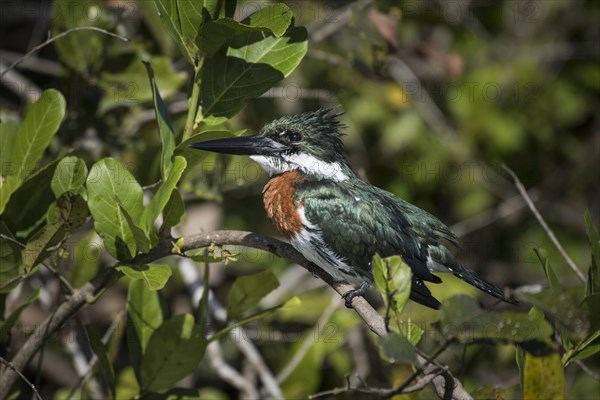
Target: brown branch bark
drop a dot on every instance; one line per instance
(167, 247)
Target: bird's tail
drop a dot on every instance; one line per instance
(444, 258)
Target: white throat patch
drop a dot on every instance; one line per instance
(303, 162)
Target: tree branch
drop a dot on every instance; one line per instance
(169, 246)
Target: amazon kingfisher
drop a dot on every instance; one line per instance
(338, 221)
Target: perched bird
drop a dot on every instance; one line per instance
(336, 220)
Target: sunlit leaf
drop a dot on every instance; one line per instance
(393, 280)
(69, 176)
(109, 187)
(183, 19)
(253, 63)
(155, 276)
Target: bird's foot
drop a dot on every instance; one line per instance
(349, 296)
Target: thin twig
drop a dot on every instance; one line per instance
(61, 35)
(23, 377)
(543, 223)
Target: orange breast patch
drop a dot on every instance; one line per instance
(278, 196)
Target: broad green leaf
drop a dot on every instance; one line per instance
(273, 19)
(9, 322)
(129, 87)
(34, 135)
(393, 280)
(69, 176)
(154, 275)
(395, 348)
(144, 316)
(174, 351)
(110, 186)
(248, 291)
(36, 131)
(162, 196)
(106, 367)
(71, 213)
(140, 237)
(173, 211)
(29, 204)
(86, 259)
(253, 63)
(183, 19)
(165, 127)
(412, 332)
(543, 378)
(462, 319)
(593, 283)
(81, 50)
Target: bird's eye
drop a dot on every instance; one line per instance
(294, 136)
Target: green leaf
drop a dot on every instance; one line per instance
(165, 127)
(86, 257)
(106, 367)
(7, 324)
(140, 237)
(40, 125)
(393, 280)
(174, 351)
(593, 283)
(587, 348)
(253, 63)
(247, 291)
(412, 332)
(273, 19)
(220, 8)
(463, 319)
(109, 187)
(10, 259)
(162, 196)
(183, 19)
(550, 275)
(29, 204)
(129, 87)
(69, 176)
(144, 316)
(544, 377)
(71, 213)
(154, 275)
(173, 211)
(395, 348)
(80, 50)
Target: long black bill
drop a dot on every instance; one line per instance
(243, 145)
